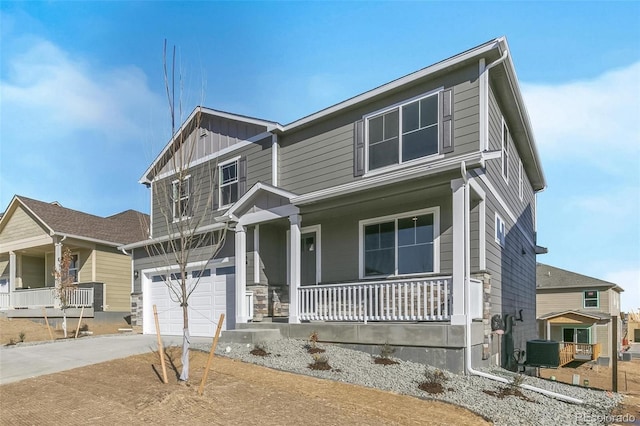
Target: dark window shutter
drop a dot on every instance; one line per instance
(358, 148)
(242, 176)
(446, 133)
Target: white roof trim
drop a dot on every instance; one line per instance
(427, 169)
(254, 189)
(480, 50)
(16, 199)
(569, 311)
(213, 227)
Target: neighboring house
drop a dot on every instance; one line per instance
(577, 311)
(372, 218)
(33, 236)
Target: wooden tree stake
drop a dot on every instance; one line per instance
(160, 347)
(79, 321)
(46, 320)
(211, 353)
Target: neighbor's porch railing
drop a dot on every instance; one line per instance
(419, 299)
(5, 301)
(578, 351)
(45, 298)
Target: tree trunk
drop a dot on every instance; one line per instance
(64, 322)
(184, 375)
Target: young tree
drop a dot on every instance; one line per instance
(185, 203)
(64, 287)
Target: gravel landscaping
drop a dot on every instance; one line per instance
(475, 393)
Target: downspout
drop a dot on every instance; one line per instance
(467, 302)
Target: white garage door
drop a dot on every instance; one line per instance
(206, 303)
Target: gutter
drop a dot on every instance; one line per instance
(467, 305)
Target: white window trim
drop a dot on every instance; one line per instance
(399, 106)
(436, 241)
(504, 143)
(77, 253)
(173, 203)
(220, 166)
(495, 233)
(520, 181)
(584, 304)
(575, 334)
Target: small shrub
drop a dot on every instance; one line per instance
(384, 358)
(84, 327)
(513, 389)
(259, 349)
(11, 342)
(312, 346)
(433, 381)
(517, 381)
(22, 335)
(320, 362)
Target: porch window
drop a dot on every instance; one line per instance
(401, 245)
(73, 268)
(228, 183)
(181, 191)
(591, 299)
(403, 133)
(576, 335)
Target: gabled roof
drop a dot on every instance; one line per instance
(549, 277)
(125, 227)
(599, 316)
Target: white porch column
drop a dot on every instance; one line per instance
(294, 267)
(12, 276)
(57, 256)
(548, 329)
(241, 274)
(459, 193)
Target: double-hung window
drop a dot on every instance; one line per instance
(181, 191)
(403, 133)
(591, 299)
(228, 183)
(400, 245)
(73, 268)
(501, 232)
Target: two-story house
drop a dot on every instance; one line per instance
(405, 214)
(578, 311)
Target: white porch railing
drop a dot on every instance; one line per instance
(419, 299)
(45, 298)
(249, 300)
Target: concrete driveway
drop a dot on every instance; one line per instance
(25, 361)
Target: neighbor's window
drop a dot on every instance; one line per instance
(505, 152)
(181, 190)
(404, 133)
(500, 231)
(591, 299)
(229, 183)
(73, 268)
(397, 246)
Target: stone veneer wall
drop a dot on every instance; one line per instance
(136, 310)
(487, 346)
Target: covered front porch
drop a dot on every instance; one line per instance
(577, 333)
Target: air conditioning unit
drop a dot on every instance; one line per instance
(543, 353)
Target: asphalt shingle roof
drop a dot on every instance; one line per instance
(548, 277)
(123, 228)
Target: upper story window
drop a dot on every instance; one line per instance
(228, 183)
(520, 181)
(505, 151)
(501, 232)
(591, 299)
(402, 245)
(181, 191)
(403, 133)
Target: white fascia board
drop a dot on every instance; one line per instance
(268, 215)
(92, 240)
(143, 243)
(427, 169)
(16, 199)
(253, 190)
(462, 57)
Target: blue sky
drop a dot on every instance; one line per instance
(82, 110)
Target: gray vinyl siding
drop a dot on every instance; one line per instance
(258, 157)
(340, 231)
(320, 155)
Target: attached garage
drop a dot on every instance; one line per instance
(213, 287)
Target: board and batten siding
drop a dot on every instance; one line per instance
(321, 155)
(113, 269)
(20, 226)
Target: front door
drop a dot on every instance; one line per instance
(308, 256)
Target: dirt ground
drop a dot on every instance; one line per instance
(601, 377)
(130, 390)
(10, 329)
